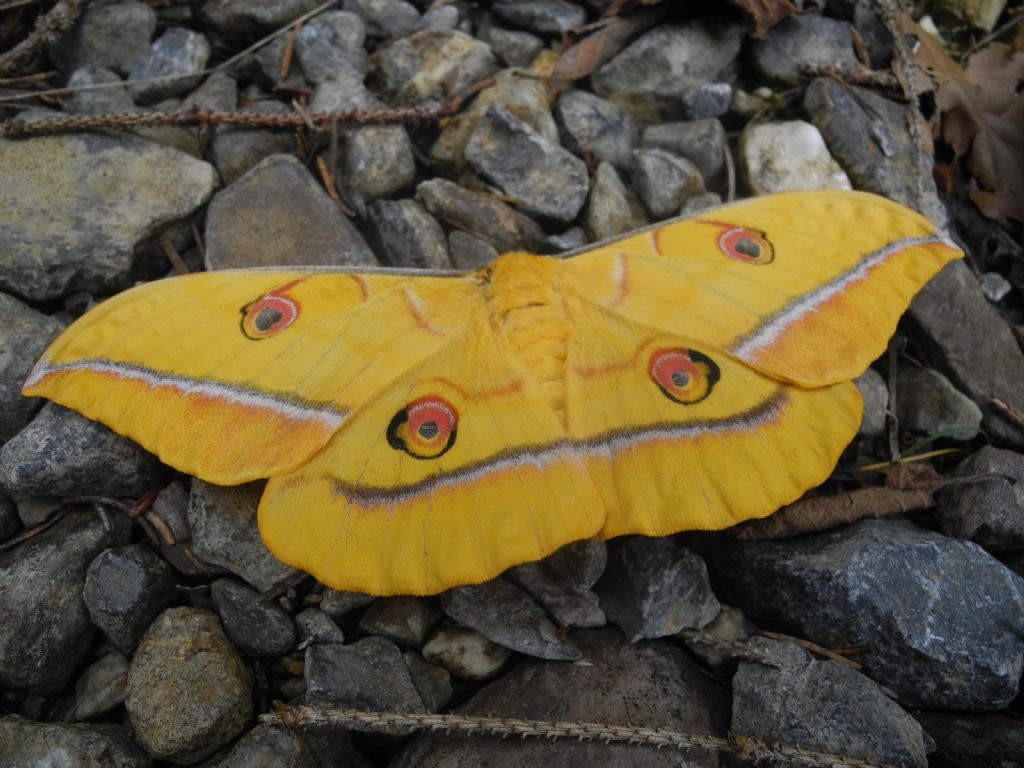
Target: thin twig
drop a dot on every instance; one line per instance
(49, 28)
(468, 725)
(424, 113)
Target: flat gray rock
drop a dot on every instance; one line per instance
(385, 18)
(224, 532)
(125, 589)
(654, 588)
(941, 619)
(236, 150)
(277, 215)
(518, 48)
(469, 251)
(178, 54)
(562, 583)
(702, 142)
(403, 619)
(545, 17)
(430, 65)
(269, 746)
(953, 313)
(315, 626)
(596, 127)
(507, 615)
(480, 215)
(874, 390)
(548, 180)
(432, 682)
(28, 743)
(102, 686)
(256, 627)
(245, 20)
(331, 42)
(707, 101)
(651, 684)
(189, 692)
(61, 234)
(46, 631)
(822, 706)
(929, 404)
(664, 181)
(405, 235)
(803, 41)
(61, 453)
(974, 740)
(986, 510)
(653, 72)
(24, 335)
(113, 36)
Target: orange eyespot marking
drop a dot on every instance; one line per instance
(683, 375)
(270, 314)
(425, 428)
(746, 245)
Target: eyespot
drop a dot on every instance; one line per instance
(270, 314)
(683, 375)
(746, 245)
(425, 428)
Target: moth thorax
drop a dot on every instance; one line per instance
(526, 307)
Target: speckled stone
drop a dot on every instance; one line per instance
(24, 334)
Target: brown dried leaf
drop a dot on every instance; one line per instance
(610, 37)
(765, 13)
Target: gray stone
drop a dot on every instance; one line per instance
(266, 65)
(403, 619)
(189, 693)
(571, 239)
(385, 18)
(466, 653)
(64, 454)
(27, 743)
(405, 235)
(650, 684)
(700, 202)
(112, 36)
(336, 603)
(369, 674)
(507, 615)
(550, 181)
(927, 403)
(779, 157)
(516, 47)
(277, 215)
(102, 686)
(24, 335)
(822, 706)
(702, 142)
(177, 53)
(98, 101)
(989, 508)
(480, 215)
(46, 631)
(256, 627)
(171, 509)
(799, 42)
(612, 208)
(875, 392)
(562, 583)
(664, 181)
(433, 682)
(61, 233)
(951, 311)
(223, 525)
(707, 101)
(10, 524)
(869, 136)
(545, 17)
(430, 65)
(440, 17)
(651, 74)
(236, 150)
(942, 619)
(217, 92)
(376, 160)
(527, 100)
(237, 20)
(969, 740)
(595, 127)
(315, 626)
(270, 746)
(653, 588)
(332, 42)
(125, 589)
(995, 287)
(469, 251)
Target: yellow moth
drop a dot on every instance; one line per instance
(421, 431)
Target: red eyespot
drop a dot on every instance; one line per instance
(270, 314)
(746, 245)
(425, 428)
(683, 375)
